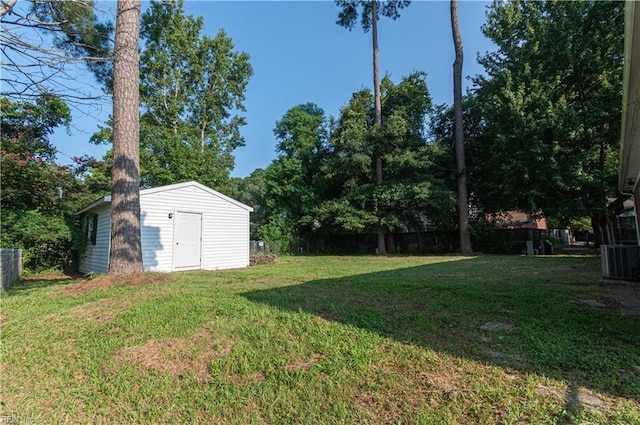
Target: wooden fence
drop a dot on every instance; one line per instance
(496, 241)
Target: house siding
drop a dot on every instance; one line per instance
(96, 257)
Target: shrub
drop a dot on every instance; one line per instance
(278, 234)
(46, 241)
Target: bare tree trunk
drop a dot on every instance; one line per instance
(598, 235)
(376, 68)
(7, 6)
(391, 242)
(463, 198)
(611, 234)
(378, 110)
(602, 229)
(126, 251)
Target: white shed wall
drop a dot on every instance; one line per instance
(225, 228)
(156, 232)
(226, 237)
(96, 258)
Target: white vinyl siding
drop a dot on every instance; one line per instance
(156, 231)
(225, 228)
(96, 257)
(228, 243)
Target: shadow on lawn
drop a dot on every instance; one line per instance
(443, 306)
(29, 284)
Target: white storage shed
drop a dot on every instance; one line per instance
(184, 226)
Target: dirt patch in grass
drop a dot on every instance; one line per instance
(306, 365)
(177, 356)
(107, 280)
(94, 313)
(102, 311)
(575, 397)
(243, 380)
(393, 389)
(52, 277)
(441, 382)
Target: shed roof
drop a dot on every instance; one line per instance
(107, 199)
(102, 201)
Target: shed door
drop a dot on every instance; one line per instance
(187, 240)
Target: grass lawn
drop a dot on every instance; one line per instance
(313, 340)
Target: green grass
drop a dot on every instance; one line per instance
(332, 340)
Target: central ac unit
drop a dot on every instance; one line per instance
(620, 261)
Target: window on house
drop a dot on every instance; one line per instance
(92, 228)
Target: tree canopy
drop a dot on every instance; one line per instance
(324, 179)
(27, 152)
(550, 103)
(350, 10)
(38, 196)
(192, 90)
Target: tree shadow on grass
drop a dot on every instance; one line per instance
(28, 285)
(444, 306)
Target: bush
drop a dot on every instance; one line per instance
(483, 235)
(47, 241)
(278, 234)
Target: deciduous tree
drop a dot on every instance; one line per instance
(294, 181)
(39, 197)
(411, 195)
(551, 103)
(192, 88)
(27, 154)
(251, 191)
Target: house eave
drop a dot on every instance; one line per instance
(629, 172)
(107, 199)
(100, 202)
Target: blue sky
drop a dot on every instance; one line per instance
(299, 54)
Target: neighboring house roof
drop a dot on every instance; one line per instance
(630, 144)
(107, 199)
(517, 220)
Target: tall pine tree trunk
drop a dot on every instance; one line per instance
(378, 110)
(126, 252)
(463, 199)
